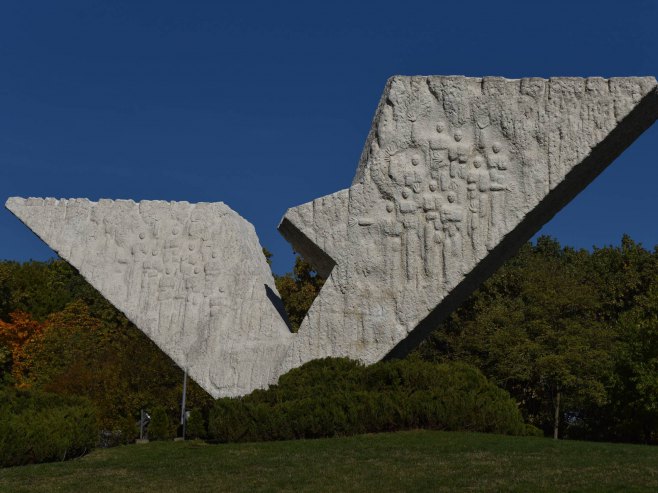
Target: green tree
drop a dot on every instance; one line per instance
(195, 426)
(32, 287)
(160, 427)
(268, 256)
(632, 414)
(534, 328)
(298, 289)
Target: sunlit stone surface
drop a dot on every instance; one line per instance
(456, 174)
(192, 277)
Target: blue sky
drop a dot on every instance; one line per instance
(266, 105)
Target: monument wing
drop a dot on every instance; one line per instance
(192, 277)
(456, 174)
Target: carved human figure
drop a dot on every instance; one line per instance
(458, 156)
(223, 319)
(213, 269)
(408, 210)
(497, 163)
(531, 140)
(139, 252)
(117, 244)
(392, 231)
(439, 162)
(431, 235)
(166, 293)
(194, 281)
(153, 268)
(173, 254)
(477, 185)
(413, 176)
(452, 216)
(430, 199)
(173, 243)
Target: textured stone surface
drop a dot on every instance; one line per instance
(192, 277)
(455, 175)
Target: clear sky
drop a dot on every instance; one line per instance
(266, 105)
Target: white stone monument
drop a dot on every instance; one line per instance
(456, 174)
(192, 277)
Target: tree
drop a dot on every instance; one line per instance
(118, 368)
(33, 287)
(298, 289)
(68, 338)
(14, 335)
(268, 256)
(160, 426)
(195, 426)
(534, 328)
(632, 414)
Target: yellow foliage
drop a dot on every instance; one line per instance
(16, 334)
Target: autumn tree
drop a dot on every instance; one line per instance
(114, 365)
(14, 335)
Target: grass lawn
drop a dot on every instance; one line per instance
(406, 461)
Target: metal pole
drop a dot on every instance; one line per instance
(182, 410)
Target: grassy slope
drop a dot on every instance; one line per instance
(408, 461)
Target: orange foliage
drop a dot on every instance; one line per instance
(15, 335)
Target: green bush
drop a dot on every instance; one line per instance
(125, 431)
(160, 427)
(195, 426)
(337, 397)
(37, 427)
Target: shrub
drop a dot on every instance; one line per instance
(37, 427)
(335, 397)
(229, 421)
(160, 427)
(123, 432)
(195, 426)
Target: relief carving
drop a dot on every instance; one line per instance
(455, 175)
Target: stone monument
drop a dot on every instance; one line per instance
(456, 174)
(192, 277)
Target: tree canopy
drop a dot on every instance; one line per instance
(572, 335)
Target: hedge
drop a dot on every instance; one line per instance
(38, 427)
(338, 397)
